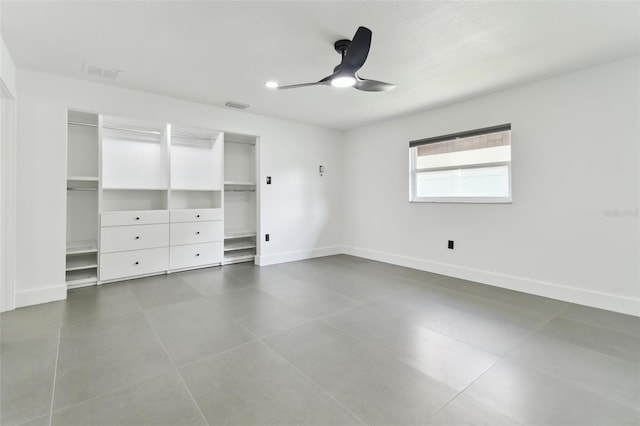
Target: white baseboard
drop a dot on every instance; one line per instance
(292, 256)
(40, 295)
(608, 301)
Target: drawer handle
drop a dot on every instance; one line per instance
(197, 254)
(137, 218)
(137, 238)
(137, 263)
(197, 215)
(197, 232)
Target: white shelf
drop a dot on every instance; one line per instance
(239, 245)
(239, 183)
(230, 234)
(239, 256)
(113, 188)
(83, 178)
(198, 189)
(79, 247)
(81, 278)
(79, 263)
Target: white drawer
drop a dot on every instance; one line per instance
(133, 263)
(196, 255)
(196, 232)
(120, 238)
(134, 217)
(196, 215)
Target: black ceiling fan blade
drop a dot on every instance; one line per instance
(357, 51)
(373, 85)
(324, 82)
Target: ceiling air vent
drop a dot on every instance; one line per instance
(97, 71)
(236, 105)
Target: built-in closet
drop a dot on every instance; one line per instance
(146, 198)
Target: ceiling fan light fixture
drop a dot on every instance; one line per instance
(271, 84)
(343, 81)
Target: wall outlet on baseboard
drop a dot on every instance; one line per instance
(450, 244)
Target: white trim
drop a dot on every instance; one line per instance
(608, 301)
(40, 295)
(292, 256)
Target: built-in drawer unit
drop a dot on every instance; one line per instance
(196, 215)
(196, 255)
(196, 232)
(120, 238)
(134, 217)
(133, 263)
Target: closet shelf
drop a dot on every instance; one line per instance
(239, 183)
(230, 234)
(82, 178)
(77, 279)
(114, 188)
(239, 256)
(197, 189)
(79, 247)
(239, 245)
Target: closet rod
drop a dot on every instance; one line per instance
(241, 142)
(75, 123)
(239, 190)
(173, 135)
(81, 189)
(150, 132)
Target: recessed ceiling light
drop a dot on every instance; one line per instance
(272, 84)
(345, 81)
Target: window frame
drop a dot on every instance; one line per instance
(413, 171)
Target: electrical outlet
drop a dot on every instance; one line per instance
(268, 180)
(266, 237)
(450, 244)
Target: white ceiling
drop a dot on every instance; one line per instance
(212, 52)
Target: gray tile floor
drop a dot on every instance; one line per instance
(330, 341)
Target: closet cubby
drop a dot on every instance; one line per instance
(194, 199)
(82, 198)
(133, 199)
(135, 155)
(240, 198)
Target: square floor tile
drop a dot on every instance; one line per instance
(311, 299)
(159, 401)
(253, 385)
(212, 281)
(162, 290)
(99, 356)
(447, 360)
(193, 329)
(465, 411)
(99, 302)
(377, 389)
(597, 339)
(261, 313)
(533, 397)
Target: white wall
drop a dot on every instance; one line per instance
(301, 210)
(572, 231)
(8, 97)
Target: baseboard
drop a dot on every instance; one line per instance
(292, 256)
(608, 301)
(40, 295)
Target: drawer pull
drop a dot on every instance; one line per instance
(137, 263)
(197, 215)
(197, 254)
(137, 238)
(137, 218)
(197, 232)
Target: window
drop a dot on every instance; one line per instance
(466, 167)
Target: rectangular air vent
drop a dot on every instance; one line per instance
(236, 105)
(97, 71)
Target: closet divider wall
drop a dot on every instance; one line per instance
(148, 198)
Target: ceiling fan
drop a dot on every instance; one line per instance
(354, 54)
